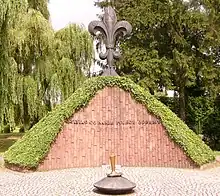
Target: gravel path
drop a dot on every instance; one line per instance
(150, 181)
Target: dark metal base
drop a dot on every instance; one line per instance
(114, 185)
(103, 192)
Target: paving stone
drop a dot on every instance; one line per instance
(150, 181)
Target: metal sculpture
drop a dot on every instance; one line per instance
(111, 31)
(114, 183)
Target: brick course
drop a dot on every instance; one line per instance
(114, 123)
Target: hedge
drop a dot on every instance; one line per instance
(29, 151)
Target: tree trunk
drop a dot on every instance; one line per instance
(182, 103)
(26, 119)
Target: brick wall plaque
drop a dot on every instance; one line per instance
(114, 123)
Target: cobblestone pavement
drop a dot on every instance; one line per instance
(150, 181)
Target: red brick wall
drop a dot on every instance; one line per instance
(114, 123)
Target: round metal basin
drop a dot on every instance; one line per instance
(115, 185)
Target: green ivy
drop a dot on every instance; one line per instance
(35, 144)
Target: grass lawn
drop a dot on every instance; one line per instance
(5, 144)
(6, 140)
(217, 153)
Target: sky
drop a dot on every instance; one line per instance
(62, 12)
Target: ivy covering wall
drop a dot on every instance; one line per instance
(34, 146)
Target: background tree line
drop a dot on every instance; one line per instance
(38, 66)
(175, 45)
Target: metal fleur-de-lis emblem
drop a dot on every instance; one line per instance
(111, 30)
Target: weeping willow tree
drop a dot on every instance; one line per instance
(74, 51)
(50, 66)
(9, 12)
(41, 6)
(38, 66)
(33, 49)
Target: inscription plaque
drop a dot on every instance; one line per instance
(127, 122)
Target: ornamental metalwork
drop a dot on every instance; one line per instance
(111, 30)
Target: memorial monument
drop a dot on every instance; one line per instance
(105, 115)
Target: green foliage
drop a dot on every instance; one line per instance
(34, 146)
(174, 42)
(32, 44)
(74, 49)
(39, 68)
(75, 43)
(199, 110)
(170, 102)
(211, 128)
(8, 18)
(6, 129)
(41, 6)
